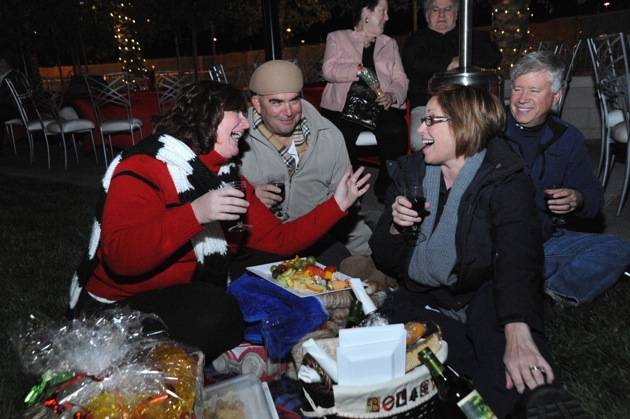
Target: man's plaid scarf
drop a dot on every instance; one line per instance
(299, 136)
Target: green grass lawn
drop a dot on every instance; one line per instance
(44, 229)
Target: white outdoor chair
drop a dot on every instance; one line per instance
(609, 54)
(169, 87)
(115, 91)
(568, 55)
(67, 121)
(557, 47)
(9, 127)
(366, 139)
(217, 73)
(30, 116)
(11, 124)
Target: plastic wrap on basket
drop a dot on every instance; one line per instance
(106, 366)
(411, 396)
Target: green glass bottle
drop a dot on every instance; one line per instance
(355, 316)
(454, 389)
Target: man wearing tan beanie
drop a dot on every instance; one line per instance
(289, 142)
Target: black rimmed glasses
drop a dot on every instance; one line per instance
(434, 119)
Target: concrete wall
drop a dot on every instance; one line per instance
(581, 108)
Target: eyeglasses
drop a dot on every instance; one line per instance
(434, 119)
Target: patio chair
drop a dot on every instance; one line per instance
(30, 117)
(113, 92)
(169, 86)
(217, 73)
(67, 121)
(9, 127)
(609, 54)
(19, 83)
(557, 47)
(568, 55)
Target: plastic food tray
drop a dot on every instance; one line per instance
(240, 397)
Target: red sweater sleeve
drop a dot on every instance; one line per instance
(139, 230)
(270, 235)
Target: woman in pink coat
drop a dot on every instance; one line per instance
(347, 52)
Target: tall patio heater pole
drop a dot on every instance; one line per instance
(466, 74)
(273, 50)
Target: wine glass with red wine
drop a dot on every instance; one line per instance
(558, 220)
(415, 194)
(277, 207)
(240, 224)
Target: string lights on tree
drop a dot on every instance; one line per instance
(130, 54)
(510, 31)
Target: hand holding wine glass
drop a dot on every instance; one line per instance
(415, 195)
(240, 225)
(408, 211)
(224, 204)
(550, 192)
(277, 206)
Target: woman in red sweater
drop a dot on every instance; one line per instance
(161, 243)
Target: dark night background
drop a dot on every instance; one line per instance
(81, 30)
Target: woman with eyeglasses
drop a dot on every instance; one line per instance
(475, 267)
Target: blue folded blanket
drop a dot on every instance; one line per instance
(275, 317)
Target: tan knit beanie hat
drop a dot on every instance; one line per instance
(276, 76)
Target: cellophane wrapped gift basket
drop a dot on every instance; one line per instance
(107, 367)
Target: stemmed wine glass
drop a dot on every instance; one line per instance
(415, 195)
(240, 225)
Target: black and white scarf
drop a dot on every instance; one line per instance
(191, 179)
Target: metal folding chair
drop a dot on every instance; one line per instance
(568, 55)
(116, 92)
(31, 118)
(169, 86)
(217, 73)
(557, 47)
(609, 54)
(67, 121)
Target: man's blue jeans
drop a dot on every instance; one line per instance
(580, 266)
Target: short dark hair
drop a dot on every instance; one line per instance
(197, 113)
(476, 116)
(357, 7)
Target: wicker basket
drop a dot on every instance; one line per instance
(411, 396)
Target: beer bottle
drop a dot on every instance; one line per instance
(454, 389)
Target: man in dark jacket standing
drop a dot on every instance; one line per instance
(435, 49)
(578, 266)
